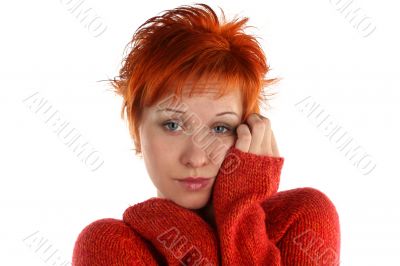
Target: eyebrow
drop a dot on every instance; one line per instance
(182, 112)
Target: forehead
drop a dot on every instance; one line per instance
(205, 101)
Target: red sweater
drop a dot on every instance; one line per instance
(255, 225)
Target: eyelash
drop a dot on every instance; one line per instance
(229, 129)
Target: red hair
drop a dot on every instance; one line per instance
(189, 42)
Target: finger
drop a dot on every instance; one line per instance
(267, 140)
(257, 126)
(275, 150)
(244, 138)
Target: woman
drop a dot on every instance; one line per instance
(192, 87)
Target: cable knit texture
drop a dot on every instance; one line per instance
(255, 225)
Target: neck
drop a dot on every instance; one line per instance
(207, 213)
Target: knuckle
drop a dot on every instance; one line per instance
(245, 136)
(245, 139)
(265, 120)
(242, 129)
(244, 132)
(260, 124)
(267, 123)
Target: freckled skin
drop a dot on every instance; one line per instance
(169, 153)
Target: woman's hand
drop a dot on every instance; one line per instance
(250, 176)
(258, 138)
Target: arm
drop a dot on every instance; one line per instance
(179, 234)
(110, 242)
(244, 181)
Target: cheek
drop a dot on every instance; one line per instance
(158, 162)
(161, 152)
(165, 145)
(154, 140)
(219, 151)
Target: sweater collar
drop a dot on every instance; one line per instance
(172, 229)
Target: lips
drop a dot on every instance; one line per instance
(195, 183)
(194, 179)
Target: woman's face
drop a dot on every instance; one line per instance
(190, 143)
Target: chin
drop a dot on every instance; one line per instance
(192, 203)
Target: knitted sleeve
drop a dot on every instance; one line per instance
(110, 242)
(179, 234)
(243, 182)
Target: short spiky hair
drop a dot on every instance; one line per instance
(189, 42)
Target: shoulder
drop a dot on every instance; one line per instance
(108, 241)
(106, 229)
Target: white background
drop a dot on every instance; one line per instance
(47, 192)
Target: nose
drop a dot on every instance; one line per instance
(194, 154)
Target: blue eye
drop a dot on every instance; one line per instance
(172, 126)
(221, 126)
(165, 125)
